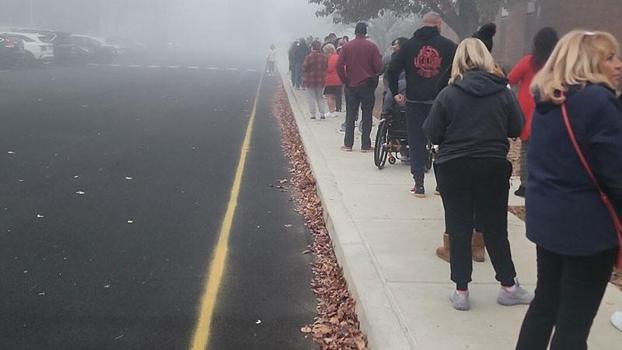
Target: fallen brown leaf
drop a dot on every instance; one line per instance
(336, 326)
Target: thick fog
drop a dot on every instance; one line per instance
(207, 25)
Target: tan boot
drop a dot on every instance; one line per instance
(478, 247)
(443, 252)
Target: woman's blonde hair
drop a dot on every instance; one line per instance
(576, 60)
(471, 54)
(329, 49)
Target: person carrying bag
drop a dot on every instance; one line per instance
(573, 198)
(615, 218)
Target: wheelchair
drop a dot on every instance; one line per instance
(392, 140)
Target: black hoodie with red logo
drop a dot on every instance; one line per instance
(426, 58)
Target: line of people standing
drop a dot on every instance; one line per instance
(471, 120)
(459, 98)
(313, 67)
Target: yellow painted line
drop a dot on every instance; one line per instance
(200, 339)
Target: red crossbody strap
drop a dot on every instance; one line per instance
(603, 197)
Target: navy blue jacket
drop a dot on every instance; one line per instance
(564, 212)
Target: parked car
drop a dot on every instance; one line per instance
(126, 47)
(47, 36)
(68, 52)
(95, 49)
(36, 50)
(12, 52)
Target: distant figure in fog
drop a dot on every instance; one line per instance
(340, 44)
(567, 218)
(522, 75)
(299, 53)
(314, 70)
(471, 121)
(271, 60)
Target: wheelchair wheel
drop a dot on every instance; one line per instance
(429, 157)
(380, 150)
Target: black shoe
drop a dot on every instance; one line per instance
(418, 191)
(520, 192)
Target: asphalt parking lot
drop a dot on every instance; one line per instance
(114, 180)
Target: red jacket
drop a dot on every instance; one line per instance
(332, 78)
(314, 70)
(522, 75)
(359, 61)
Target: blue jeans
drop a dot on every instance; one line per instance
(416, 113)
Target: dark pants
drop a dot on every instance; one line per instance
(364, 97)
(470, 188)
(339, 99)
(568, 294)
(416, 113)
(297, 75)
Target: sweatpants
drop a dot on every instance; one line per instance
(315, 96)
(568, 294)
(477, 188)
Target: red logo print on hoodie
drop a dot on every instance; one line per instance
(428, 62)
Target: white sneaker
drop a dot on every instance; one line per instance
(616, 320)
(515, 295)
(460, 300)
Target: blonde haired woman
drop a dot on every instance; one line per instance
(471, 120)
(566, 219)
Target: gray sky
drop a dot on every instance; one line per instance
(187, 22)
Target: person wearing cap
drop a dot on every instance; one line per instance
(426, 58)
(359, 66)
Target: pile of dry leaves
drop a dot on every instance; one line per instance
(336, 325)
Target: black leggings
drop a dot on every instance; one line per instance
(476, 188)
(568, 295)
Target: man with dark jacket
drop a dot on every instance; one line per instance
(426, 58)
(359, 66)
(299, 53)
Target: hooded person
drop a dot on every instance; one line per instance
(471, 121)
(425, 58)
(486, 33)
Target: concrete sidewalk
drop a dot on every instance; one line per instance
(385, 240)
